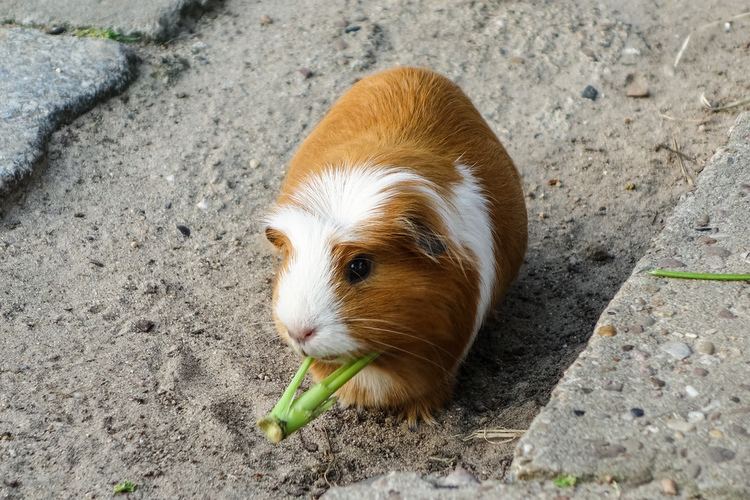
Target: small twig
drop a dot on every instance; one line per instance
(506, 435)
(331, 462)
(665, 273)
(707, 104)
(685, 172)
(687, 120)
(675, 151)
(682, 50)
(685, 43)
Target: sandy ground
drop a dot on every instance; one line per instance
(131, 351)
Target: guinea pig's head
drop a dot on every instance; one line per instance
(367, 264)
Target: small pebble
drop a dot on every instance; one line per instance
(669, 487)
(657, 382)
(306, 73)
(613, 386)
(739, 431)
(629, 347)
(700, 372)
(716, 433)
(254, 163)
(460, 477)
(265, 20)
(696, 416)
(56, 30)
(670, 262)
(678, 350)
(590, 93)
(706, 240)
(637, 86)
(352, 29)
(203, 204)
(719, 454)
(606, 331)
(704, 347)
(339, 44)
(718, 251)
(579, 413)
(693, 470)
(637, 412)
(702, 221)
(680, 425)
(691, 391)
(726, 314)
(144, 325)
(184, 230)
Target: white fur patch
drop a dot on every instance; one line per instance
(345, 198)
(328, 208)
(472, 226)
(306, 297)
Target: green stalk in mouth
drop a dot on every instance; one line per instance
(291, 414)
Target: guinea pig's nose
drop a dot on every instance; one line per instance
(303, 334)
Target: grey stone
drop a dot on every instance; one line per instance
(459, 477)
(156, 19)
(719, 454)
(411, 485)
(46, 80)
(678, 350)
(718, 252)
(704, 347)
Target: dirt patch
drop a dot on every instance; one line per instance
(90, 251)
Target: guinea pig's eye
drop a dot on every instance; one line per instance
(358, 269)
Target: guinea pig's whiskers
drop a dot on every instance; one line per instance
(397, 332)
(390, 346)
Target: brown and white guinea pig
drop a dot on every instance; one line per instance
(400, 224)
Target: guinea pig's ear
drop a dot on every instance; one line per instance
(429, 241)
(276, 237)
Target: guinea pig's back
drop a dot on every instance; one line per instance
(403, 115)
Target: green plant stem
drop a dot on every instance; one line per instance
(664, 273)
(291, 414)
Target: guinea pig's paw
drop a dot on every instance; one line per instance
(418, 412)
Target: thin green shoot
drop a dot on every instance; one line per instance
(124, 487)
(107, 34)
(664, 273)
(565, 481)
(291, 414)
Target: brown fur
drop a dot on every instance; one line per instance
(417, 308)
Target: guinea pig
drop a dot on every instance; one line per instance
(399, 225)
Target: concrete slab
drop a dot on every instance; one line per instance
(667, 397)
(457, 486)
(156, 19)
(45, 80)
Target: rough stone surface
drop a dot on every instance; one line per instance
(157, 19)
(688, 432)
(414, 486)
(46, 80)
